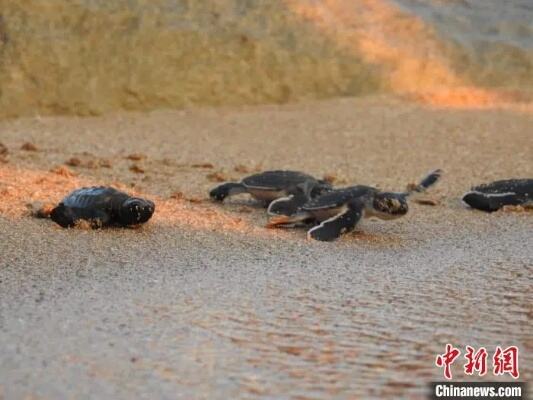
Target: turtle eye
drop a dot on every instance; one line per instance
(381, 205)
(395, 204)
(400, 206)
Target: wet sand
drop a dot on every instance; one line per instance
(203, 302)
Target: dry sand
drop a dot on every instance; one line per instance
(203, 302)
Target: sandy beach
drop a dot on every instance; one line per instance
(204, 302)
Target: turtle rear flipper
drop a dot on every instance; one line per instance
(491, 202)
(334, 227)
(66, 217)
(99, 219)
(288, 221)
(226, 189)
(287, 205)
(300, 195)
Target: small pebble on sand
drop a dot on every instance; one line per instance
(177, 195)
(330, 178)
(520, 208)
(63, 171)
(28, 146)
(92, 164)
(426, 201)
(73, 162)
(242, 169)
(411, 186)
(137, 169)
(334, 179)
(136, 156)
(203, 165)
(217, 177)
(105, 163)
(40, 210)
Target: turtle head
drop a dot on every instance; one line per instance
(220, 192)
(388, 205)
(136, 211)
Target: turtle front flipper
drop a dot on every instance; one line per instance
(429, 180)
(491, 202)
(225, 190)
(338, 225)
(63, 216)
(100, 219)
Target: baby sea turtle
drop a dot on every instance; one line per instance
(339, 210)
(283, 191)
(102, 206)
(493, 196)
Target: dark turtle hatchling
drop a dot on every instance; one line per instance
(493, 196)
(338, 211)
(282, 191)
(102, 206)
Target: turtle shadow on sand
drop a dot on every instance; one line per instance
(240, 203)
(372, 239)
